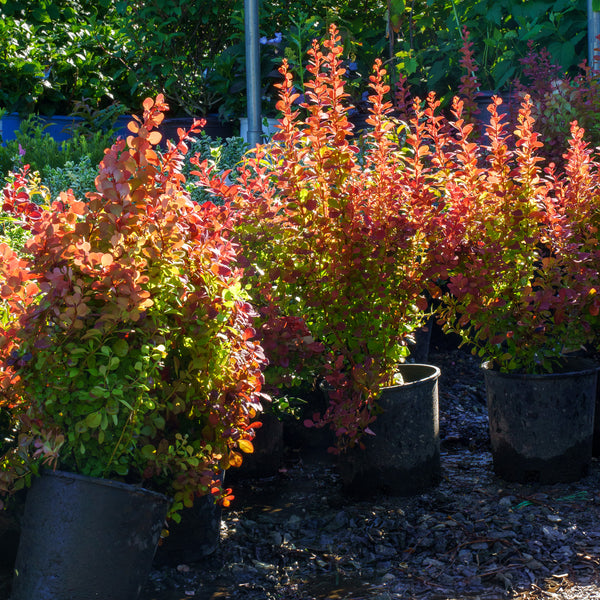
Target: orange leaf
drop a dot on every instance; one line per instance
(154, 137)
(107, 260)
(235, 459)
(246, 446)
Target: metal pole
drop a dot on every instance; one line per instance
(253, 72)
(593, 32)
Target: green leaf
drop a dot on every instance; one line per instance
(99, 392)
(121, 348)
(93, 420)
(80, 427)
(596, 5)
(124, 402)
(121, 469)
(148, 452)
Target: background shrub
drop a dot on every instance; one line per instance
(56, 52)
(77, 176)
(222, 155)
(33, 146)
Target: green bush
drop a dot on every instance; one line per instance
(56, 52)
(429, 36)
(13, 234)
(170, 47)
(221, 154)
(77, 176)
(33, 146)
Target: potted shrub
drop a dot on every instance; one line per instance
(578, 205)
(342, 239)
(127, 363)
(521, 292)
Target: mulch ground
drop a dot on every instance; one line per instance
(296, 536)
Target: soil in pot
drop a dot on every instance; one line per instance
(403, 457)
(541, 426)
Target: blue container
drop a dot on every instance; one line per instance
(60, 127)
(120, 126)
(9, 125)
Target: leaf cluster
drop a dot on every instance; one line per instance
(126, 343)
(335, 237)
(430, 37)
(170, 47)
(222, 155)
(521, 280)
(560, 97)
(53, 53)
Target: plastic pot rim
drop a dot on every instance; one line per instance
(587, 367)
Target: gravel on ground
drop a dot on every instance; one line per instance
(296, 536)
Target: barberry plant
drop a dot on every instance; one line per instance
(469, 86)
(558, 99)
(337, 236)
(521, 283)
(127, 344)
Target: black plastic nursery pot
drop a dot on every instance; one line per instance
(298, 437)
(267, 458)
(403, 457)
(84, 538)
(195, 537)
(541, 426)
(10, 531)
(596, 442)
(419, 345)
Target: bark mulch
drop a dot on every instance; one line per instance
(296, 536)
